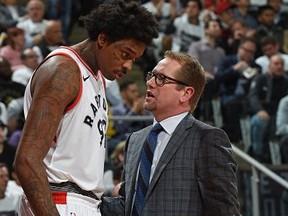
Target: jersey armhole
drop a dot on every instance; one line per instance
(76, 100)
(73, 103)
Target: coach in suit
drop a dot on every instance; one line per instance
(193, 171)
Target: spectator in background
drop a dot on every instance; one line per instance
(62, 10)
(282, 127)
(132, 105)
(117, 156)
(241, 11)
(207, 13)
(209, 54)
(14, 113)
(11, 13)
(165, 12)
(233, 77)
(266, 27)
(14, 138)
(51, 39)
(114, 170)
(113, 93)
(270, 46)
(114, 98)
(23, 74)
(3, 112)
(8, 199)
(238, 32)
(281, 17)
(224, 12)
(265, 93)
(187, 28)
(35, 23)
(7, 152)
(14, 185)
(15, 43)
(8, 88)
(207, 50)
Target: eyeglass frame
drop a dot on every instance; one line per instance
(163, 80)
(31, 56)
(248, 50)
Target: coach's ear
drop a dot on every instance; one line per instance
(188, 92)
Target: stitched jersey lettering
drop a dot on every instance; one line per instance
(102, 128)
(94, 109)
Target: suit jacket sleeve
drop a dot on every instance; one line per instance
(216, 170)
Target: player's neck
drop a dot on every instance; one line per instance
(87, 52)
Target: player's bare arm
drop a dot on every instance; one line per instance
(53, 88)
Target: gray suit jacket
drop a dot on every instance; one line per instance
(196, 174)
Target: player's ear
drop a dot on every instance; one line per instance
(102, 40)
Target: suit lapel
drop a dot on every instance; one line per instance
(174, 143)
(135, 143)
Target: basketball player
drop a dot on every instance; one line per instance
(61, 154)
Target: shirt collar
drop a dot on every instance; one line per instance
(170, 124)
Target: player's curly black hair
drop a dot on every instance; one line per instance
(121, 20)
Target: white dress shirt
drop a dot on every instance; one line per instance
(169, 125)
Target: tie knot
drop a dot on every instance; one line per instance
(157, 128)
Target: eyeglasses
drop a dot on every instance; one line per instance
(248, 50)
(31, 56)
(161, 79)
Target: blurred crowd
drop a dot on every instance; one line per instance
(241, 45)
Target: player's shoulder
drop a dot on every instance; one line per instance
(58, 63)
(57, 70)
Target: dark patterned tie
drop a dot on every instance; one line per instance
(145, 169)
